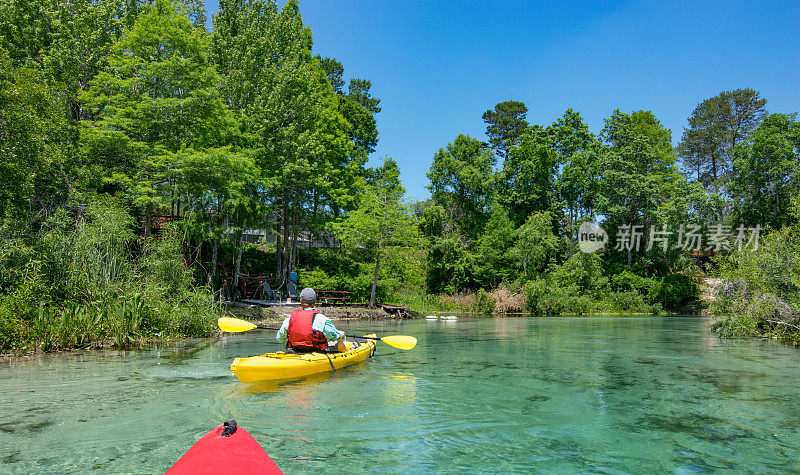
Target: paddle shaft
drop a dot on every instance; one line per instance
(351, 336)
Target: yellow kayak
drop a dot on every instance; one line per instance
(282, 365)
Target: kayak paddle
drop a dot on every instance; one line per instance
(234, 325)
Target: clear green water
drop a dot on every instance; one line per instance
(605, 395)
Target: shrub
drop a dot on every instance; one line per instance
(627, 281)
(507, 302)
(484, 304)
(760, 291)
(162, 265)
(544, 299)
(66, 288)
(629, 302)
(675, 290)
(584, 271)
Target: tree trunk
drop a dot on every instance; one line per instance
(236, 266)
(313, 221)
(375, 277)
(295, 225)
(278, 262)
(212, 271)
(285, 248)
(148, 219)
(375, 281)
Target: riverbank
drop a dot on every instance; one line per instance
(276, 315)
(272, 316)
(63, 336)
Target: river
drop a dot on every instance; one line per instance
(492, 395)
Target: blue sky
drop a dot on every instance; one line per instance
(438, 65)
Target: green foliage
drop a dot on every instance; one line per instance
(526, 184)
(649, 289)
(460, 184)
(536, 244)
(716, 127)
(675, 290)
(451, 266)
(104, 241)
(579, 153)
(495, 245)
(98, 286)
(543, 298)
(484, 304)
(767, 173)
(31, 156)
(157, 97)
(505, 124)
(433, 221)
(759, 293)
(382, 218)
(639, 175)
(584, 272)
(358, 107)
(163, 265)
(629, 302)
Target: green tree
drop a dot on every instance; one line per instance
(584, 271)
(359, 108)
(31, 156)
(767, 173)
(157, 97)
(717, 125)
(219, 185)
(460, 178)
(639, 177)
(83, 34)
(25, 30)
(760, 292)
(569, 135)
(494, 246)
(526, 183)
(381, 220)
(334, 70)
(357, 105)
(535, 245)
(579, 154)
(505, 125)
(300, 138)
(451, 265)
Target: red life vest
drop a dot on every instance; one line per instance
(301, 335)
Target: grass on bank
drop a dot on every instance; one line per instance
(86, 280)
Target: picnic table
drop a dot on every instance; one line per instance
(334, 296)
(400, 311)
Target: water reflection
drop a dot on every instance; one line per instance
(277, 385)
(400, 389)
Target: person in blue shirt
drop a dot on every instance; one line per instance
(307, 330)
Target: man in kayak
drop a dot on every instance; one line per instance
(307, 330)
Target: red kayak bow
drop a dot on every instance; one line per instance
(225, 449)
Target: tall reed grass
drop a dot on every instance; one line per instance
(87, 280)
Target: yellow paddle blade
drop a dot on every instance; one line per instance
(233, 325)
(403, 342)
